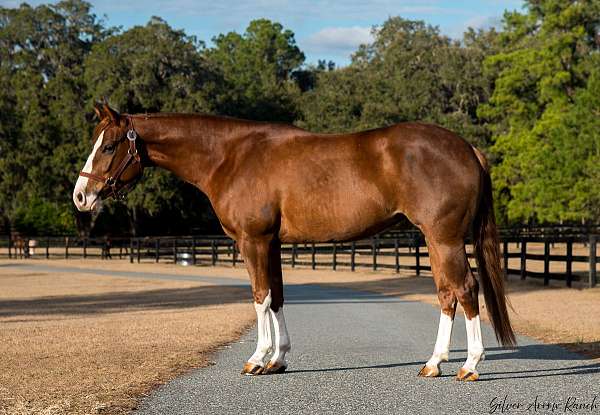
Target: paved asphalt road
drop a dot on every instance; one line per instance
(356, 352)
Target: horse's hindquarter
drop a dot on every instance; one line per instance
(341, 187)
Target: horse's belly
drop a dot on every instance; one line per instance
(337, 216)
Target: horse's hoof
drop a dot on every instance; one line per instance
(466, 375)
(274, 368)
(251, 369)
(429, 372)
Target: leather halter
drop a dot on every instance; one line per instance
(132, 156)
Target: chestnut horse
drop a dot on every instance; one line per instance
(271, 184)
(19, 245)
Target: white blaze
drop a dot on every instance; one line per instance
(82, 182)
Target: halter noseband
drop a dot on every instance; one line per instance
(132, 156)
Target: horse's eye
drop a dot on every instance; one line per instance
(109, 148)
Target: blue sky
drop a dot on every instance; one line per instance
(324, 29)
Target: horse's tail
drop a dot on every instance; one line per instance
(487, 252)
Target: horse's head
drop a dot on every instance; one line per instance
(114, 163)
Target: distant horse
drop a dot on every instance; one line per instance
(272, 183)
(19, 244)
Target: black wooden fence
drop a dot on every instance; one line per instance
(526, 255)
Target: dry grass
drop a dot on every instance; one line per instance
(80, 343)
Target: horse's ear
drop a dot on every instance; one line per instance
(111, 113)
(98, 109)
(103, 110)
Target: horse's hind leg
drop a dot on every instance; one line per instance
(455, 270)
(455, 281)
(447, 301)
(468, 296)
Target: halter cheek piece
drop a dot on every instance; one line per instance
(132, 157)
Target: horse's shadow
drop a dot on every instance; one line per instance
(547, 352)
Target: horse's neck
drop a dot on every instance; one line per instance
(190, 147)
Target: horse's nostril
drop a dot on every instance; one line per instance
(80, 197)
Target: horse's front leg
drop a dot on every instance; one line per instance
(256, 257)
(282, 345)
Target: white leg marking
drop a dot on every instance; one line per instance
(442, 344)
(475, 344)
(282, 339)
(82, 182)
(263, 323)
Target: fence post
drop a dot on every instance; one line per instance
(194, 251)
(213, 252)
(131, 250)
(233, 253)
(66, 247)
(174, 250)
(353, 256)
(84, 248)
(334, 256)
(546, 262)
(593, 243)
(10, 247)
(569, 267)
(313, 254)
(294, 248)
(397, 254)
(505, 254)
(47, 248)
(374, 249)
(139, 254)
(417, 256)
(157, 250)
(523, 259)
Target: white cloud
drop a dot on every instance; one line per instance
(338, 39)
(476, 22)
(484, 22)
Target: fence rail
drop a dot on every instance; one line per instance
(550, 256)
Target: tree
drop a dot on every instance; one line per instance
(257, 67)
(545, 114)
(43, 100)
(409, 72)
(151, 68)
(335, 103)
